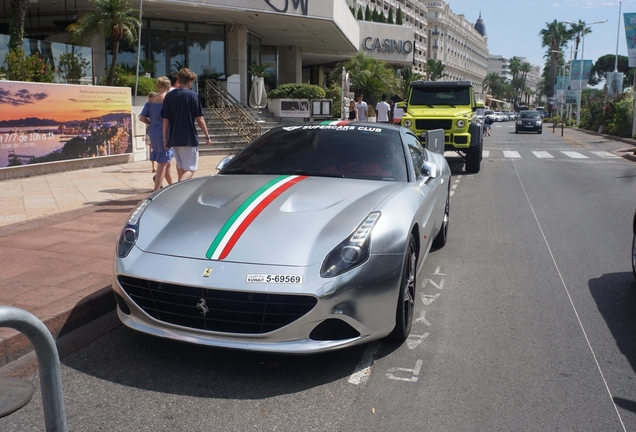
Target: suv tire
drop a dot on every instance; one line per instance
(473, 159)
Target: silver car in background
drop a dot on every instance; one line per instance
(310, 239)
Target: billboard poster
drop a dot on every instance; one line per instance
(571, 96)
(41, 122)
(578, 82)
(614, 83)
(561, 83)
(630, 37)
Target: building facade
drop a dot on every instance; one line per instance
(460, 45)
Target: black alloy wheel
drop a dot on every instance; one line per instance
(406, 298)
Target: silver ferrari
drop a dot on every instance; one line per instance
(310, 239)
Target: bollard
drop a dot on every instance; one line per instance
(48, 362)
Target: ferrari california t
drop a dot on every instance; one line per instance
(310, 239)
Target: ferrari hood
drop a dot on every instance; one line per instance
(280, 220)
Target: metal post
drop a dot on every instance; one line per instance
(48, 361)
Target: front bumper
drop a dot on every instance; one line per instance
(354, 308)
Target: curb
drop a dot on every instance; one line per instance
(102, 301)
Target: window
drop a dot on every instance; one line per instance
(418, 155)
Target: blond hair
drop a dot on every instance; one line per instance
(151, 95)
(163, 83)
(185, 75)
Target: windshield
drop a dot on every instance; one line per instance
(440, 96)
(360, 152)
(529, 115)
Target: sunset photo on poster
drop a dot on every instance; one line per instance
(51, 122)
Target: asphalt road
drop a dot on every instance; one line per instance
(525, 321)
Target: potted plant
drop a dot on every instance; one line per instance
(258, 94)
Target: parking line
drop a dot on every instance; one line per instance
(605, 155)
(511, 154)
(363, 368)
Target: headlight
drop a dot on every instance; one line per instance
(408, 123)
(130, 233)
(519, 122)
(538, 122)
(461, 123)
(352, 252)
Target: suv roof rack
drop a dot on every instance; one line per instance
(441, 83)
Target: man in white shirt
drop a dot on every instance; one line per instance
(382, 110)
(363, 109)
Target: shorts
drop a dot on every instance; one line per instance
(187, 157)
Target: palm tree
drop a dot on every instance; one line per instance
(19, 9)
(435, 69)
(493, 83)
(113, 19)
(554, 37)
(369, 76)
(576, 30)
(408, 76)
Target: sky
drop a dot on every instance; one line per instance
(513, 26)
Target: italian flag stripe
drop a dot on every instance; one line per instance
(246, 213)
(334, 122)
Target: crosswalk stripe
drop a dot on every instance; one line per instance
(485, 153)
(511, 154)
(574, 155)
(543, 155)
(605, 155)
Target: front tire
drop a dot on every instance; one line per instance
(473, 159)
(406, 298)
(441, 237)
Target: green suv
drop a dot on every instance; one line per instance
(448, 105)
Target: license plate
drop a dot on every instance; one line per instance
(274, 279)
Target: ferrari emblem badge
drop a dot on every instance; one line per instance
(207, 272)
(203, 307)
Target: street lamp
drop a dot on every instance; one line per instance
(578, 102)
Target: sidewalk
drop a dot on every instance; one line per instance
(57, 237)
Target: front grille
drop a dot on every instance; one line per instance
(430, 124)
(227, 311)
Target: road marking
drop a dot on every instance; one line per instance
(437, 269)
(511, 154)
(422, 318)
(485, 153)
(543, 155)
(452, 192)
(414, 340)
(427, 299)
(605, 155)
(415, 372)
(363, 368)
(574, 155)
(440, 286)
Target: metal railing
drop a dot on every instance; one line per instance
(230, 111)
(48, 361)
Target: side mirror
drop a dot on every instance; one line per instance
(429, 169)
(224, 162)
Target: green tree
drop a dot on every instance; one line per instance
(114, 19)
(390, 19)
(408, 76)
(368, 76)
(435, 69)
(398, 17)
(554, 38)
(374, 16)
(367, 14)
(605, 64)
(493, 84)
(360, 16)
